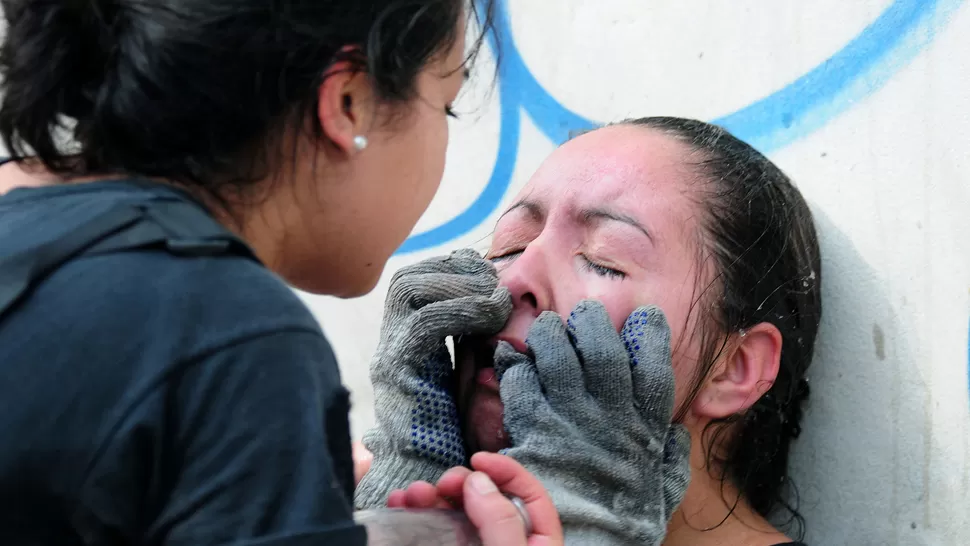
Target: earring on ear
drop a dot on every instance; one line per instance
(742, 332)
(360, 142)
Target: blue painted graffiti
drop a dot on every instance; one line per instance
(863, 66)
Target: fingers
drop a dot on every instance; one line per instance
(522, 399)
(647, 338)
(418, 495)
(464, 261)
(506, 357)
(425, 495)
(418, 290)
(442, 277)
(496, 518)
(452, 483)
(470, 262)
(560, 371)
(606, 364)
(483, 495)
(511, 478)
(465, 315)
(397, 499)
(362, 460)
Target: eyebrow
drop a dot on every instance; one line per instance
(534, 209)
(589, 215)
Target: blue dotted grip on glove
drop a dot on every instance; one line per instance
(434, 433)
(633, 334)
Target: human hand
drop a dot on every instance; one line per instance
(482, 496)
(590, 416)
(418, 435)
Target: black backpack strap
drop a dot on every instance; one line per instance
(179, 227)
(19, 271)
(176, 226)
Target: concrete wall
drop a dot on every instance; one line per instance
(866, 104)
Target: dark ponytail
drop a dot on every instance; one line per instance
(199, 92)
(53, 59)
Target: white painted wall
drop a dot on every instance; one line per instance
(877, 135)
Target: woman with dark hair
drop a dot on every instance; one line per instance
(172, 164)
(681, 215)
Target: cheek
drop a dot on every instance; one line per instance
(415, 174)
(619, 298)
(430, 138)
(618, 304)
(684, 376)
(685, 342)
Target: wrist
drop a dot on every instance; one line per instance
(587, 521)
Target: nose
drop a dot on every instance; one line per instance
(528, 279)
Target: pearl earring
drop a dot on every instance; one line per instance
(360, 142)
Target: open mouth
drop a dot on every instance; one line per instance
(476, 356)
(479, 399)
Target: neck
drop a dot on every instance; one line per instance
(713, 513)
(297, 232)
(27, 173)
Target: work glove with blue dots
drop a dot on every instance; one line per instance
(418, 433)
(589, 413)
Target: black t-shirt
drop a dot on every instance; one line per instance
(155, 399)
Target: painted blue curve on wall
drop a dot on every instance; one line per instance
(864, 65)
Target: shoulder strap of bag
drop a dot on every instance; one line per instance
(176, 226)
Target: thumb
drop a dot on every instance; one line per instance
(496, 518)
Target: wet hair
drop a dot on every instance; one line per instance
(757, 233)
(199, 92)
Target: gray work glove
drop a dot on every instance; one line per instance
(418, 434)
(590, 417)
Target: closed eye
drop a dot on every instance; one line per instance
(602, 270)
(508, 256)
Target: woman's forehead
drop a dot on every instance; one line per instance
(631, 167)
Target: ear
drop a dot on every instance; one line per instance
(345, 105)
(744, 375)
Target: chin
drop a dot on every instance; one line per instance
(361, 286)
(337, 283)
(484, 426)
